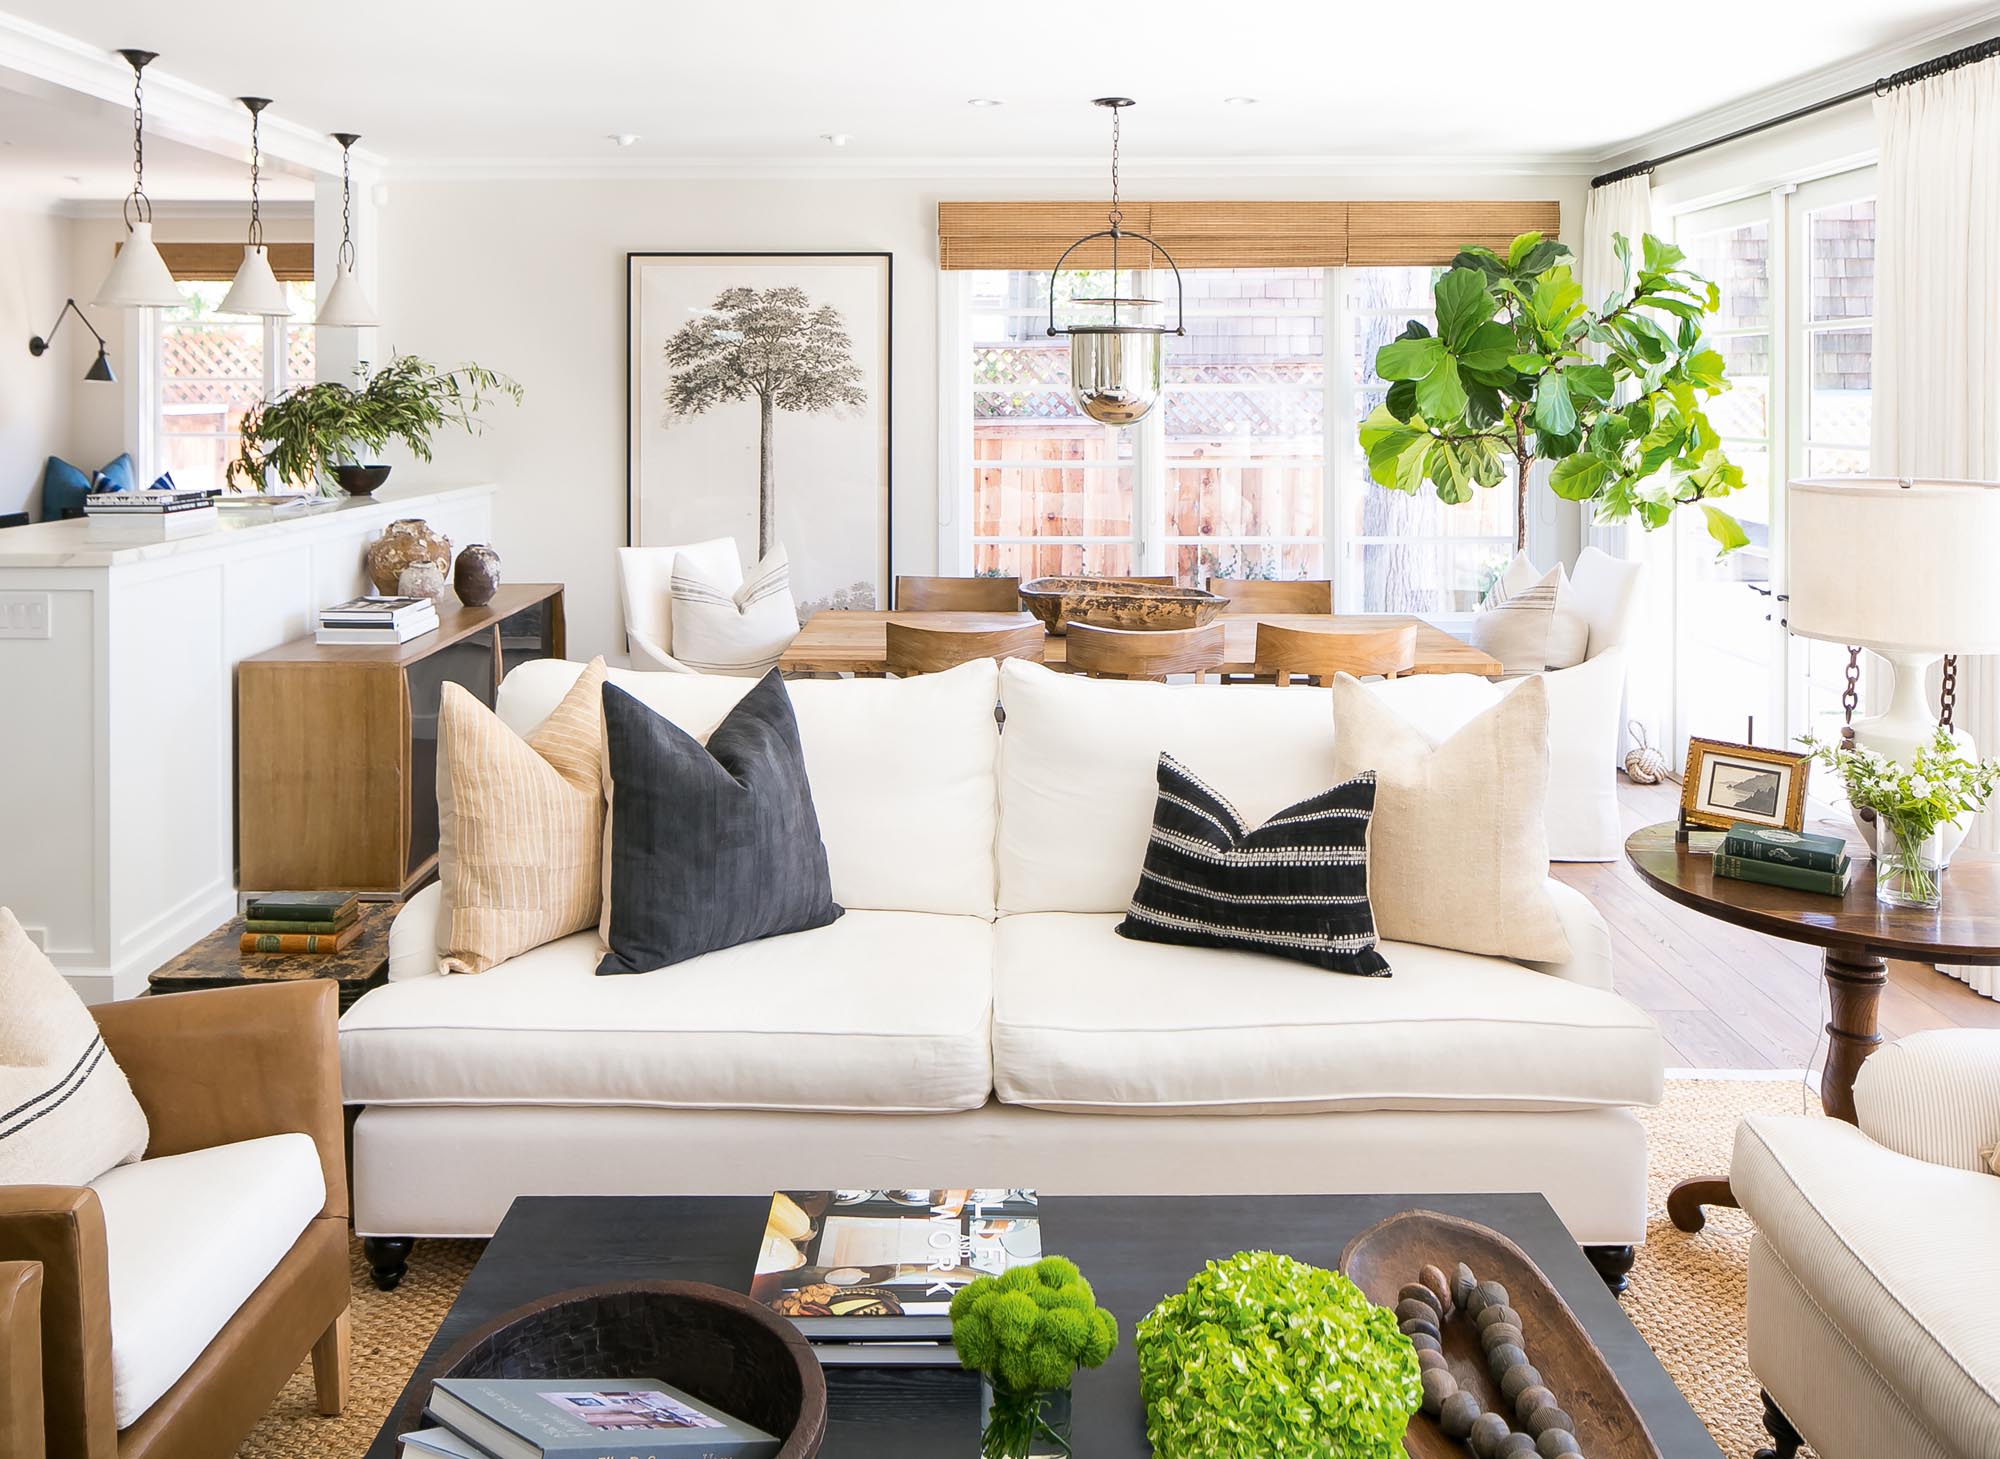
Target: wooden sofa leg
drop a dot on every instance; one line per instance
(1612, 1263)
(1785, 1439)
(329, 1358)
(388, 1258)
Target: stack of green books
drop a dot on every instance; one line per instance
(301, 922)
(1797, 859)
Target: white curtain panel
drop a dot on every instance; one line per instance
(1937, 327)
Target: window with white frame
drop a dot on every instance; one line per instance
(211, 370)
(1229, 476)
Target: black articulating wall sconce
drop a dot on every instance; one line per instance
(100, 368)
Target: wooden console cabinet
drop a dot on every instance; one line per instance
(336, 747)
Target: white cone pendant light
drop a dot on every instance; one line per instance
(255, 291)
(346, 304)
(139, 277)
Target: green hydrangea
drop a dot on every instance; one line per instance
(1265, 1355)
(1032, 1327)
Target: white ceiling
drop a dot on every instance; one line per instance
(527, 82)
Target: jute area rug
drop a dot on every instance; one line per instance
(1687, 1295)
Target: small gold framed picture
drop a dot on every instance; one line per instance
(1726, 783)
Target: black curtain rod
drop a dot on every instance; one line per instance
(1922, 71)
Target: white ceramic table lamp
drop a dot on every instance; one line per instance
(1905, 568)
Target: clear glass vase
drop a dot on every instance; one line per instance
(1018, 1425)
(1908, 865)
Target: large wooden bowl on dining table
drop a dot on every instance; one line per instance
(1117, 603)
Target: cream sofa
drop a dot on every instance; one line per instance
(974, 1019)
(1876, 1261)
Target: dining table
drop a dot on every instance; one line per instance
(857, 642)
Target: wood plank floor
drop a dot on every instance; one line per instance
(1727, 998)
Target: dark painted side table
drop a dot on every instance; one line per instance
(217, 961)
(1857, 934)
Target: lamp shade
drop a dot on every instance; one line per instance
(1894, 566)
(345, 304)
(100, 369)
(255, 289)
(139, 277)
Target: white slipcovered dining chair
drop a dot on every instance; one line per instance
(1587, 711)
(645, 575)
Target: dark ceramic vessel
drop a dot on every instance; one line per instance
(360, 480)
(476, 575)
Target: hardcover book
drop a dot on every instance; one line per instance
(1776, 874)
(325, 926)
(573, 1418)
(301, 906)
(1786, 848)
(883, 1265)
(294, 942)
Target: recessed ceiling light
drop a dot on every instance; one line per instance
(985, 101)
(835, 139)
(1239, 101)
(624, 139)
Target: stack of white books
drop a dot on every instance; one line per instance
(148, 516)
(376, 620)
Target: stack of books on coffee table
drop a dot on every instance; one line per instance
(577, 1418)
(295, 923)
(376, 620)
(149, 516)
(1801, 860)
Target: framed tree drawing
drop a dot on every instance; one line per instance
(758, 409)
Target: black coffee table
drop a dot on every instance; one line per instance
(1134, 1249)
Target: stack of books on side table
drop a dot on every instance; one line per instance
(301, 922)
(577, 1418)
(376, 620)
(131, 517)
(1800, 860)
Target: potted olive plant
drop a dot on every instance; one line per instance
(328, 429)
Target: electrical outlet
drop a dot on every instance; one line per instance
(24, 615)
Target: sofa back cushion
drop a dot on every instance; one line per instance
(902, 771)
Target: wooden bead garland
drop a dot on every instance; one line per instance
(1545, 1430)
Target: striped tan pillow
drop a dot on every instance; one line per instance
(1529, 624)
(520, 826)
(1993, 1158)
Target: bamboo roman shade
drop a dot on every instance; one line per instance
(1032, 235)
(291, 262)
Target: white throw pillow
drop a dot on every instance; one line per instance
(1531, 622)
(66, 1113)
(720, 632)
(1458, 855)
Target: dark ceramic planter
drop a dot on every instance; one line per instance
(360, 480)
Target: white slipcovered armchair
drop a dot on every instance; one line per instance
(644, 577)
(1876, 1262)
(1587, 713)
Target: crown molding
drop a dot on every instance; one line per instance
(166, 210)
(1830, 80)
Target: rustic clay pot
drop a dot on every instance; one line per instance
(476, 575)
(421, 580)
(1104, 603)
(402, 544)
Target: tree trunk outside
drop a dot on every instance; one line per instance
(766, 493)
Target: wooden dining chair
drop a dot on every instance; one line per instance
(1262, 595)
(1317, 654)
(958, 595)
(1127, 653)
(914, 650)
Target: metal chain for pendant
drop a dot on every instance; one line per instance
(1850, 697)
(1117, 213)
(1948, 690)
(140, 206)
(256, 165)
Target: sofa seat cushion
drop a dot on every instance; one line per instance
(1085, 1020)
(189, 1238)
(1899, 1256)
(877, 1011)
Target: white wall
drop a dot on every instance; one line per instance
(528, 277)
(35, 393)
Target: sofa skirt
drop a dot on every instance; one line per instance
(452, 1170)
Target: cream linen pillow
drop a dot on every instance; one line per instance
(1457, 852)
(1531, 623)
(520, 826)
(744, 632)
(66, 1113)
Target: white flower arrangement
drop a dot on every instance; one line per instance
(1939, 785)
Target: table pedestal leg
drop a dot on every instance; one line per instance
(1855, 981)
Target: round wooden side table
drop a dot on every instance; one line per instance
(1857, 933)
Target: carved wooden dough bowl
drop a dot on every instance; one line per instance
(1389, 1254)
(1105, 603)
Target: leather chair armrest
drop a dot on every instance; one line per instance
(60, 1229)
(1934, 1096)
(21, 1360)
(233, 1064)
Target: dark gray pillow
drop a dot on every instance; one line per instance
(710, 845)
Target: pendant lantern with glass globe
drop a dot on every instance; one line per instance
(139, 277)
(346, 305)
(1117, 356)
(255, 291)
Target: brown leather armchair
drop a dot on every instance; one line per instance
(209, 1069)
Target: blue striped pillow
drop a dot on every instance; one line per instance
(1296, 887)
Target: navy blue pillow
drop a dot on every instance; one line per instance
(65, 486)
(711, 845)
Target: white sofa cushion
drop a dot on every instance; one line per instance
(878, 1011)
(1084, 1020)
(189, 1238)
(902, 770)
(1899, 1256)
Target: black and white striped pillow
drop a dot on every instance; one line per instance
(1296, 887)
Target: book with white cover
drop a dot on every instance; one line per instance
(378, 612)
(592, 1418)
(144, 527)
(389, 634)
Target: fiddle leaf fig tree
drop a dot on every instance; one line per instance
(1522, 369)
